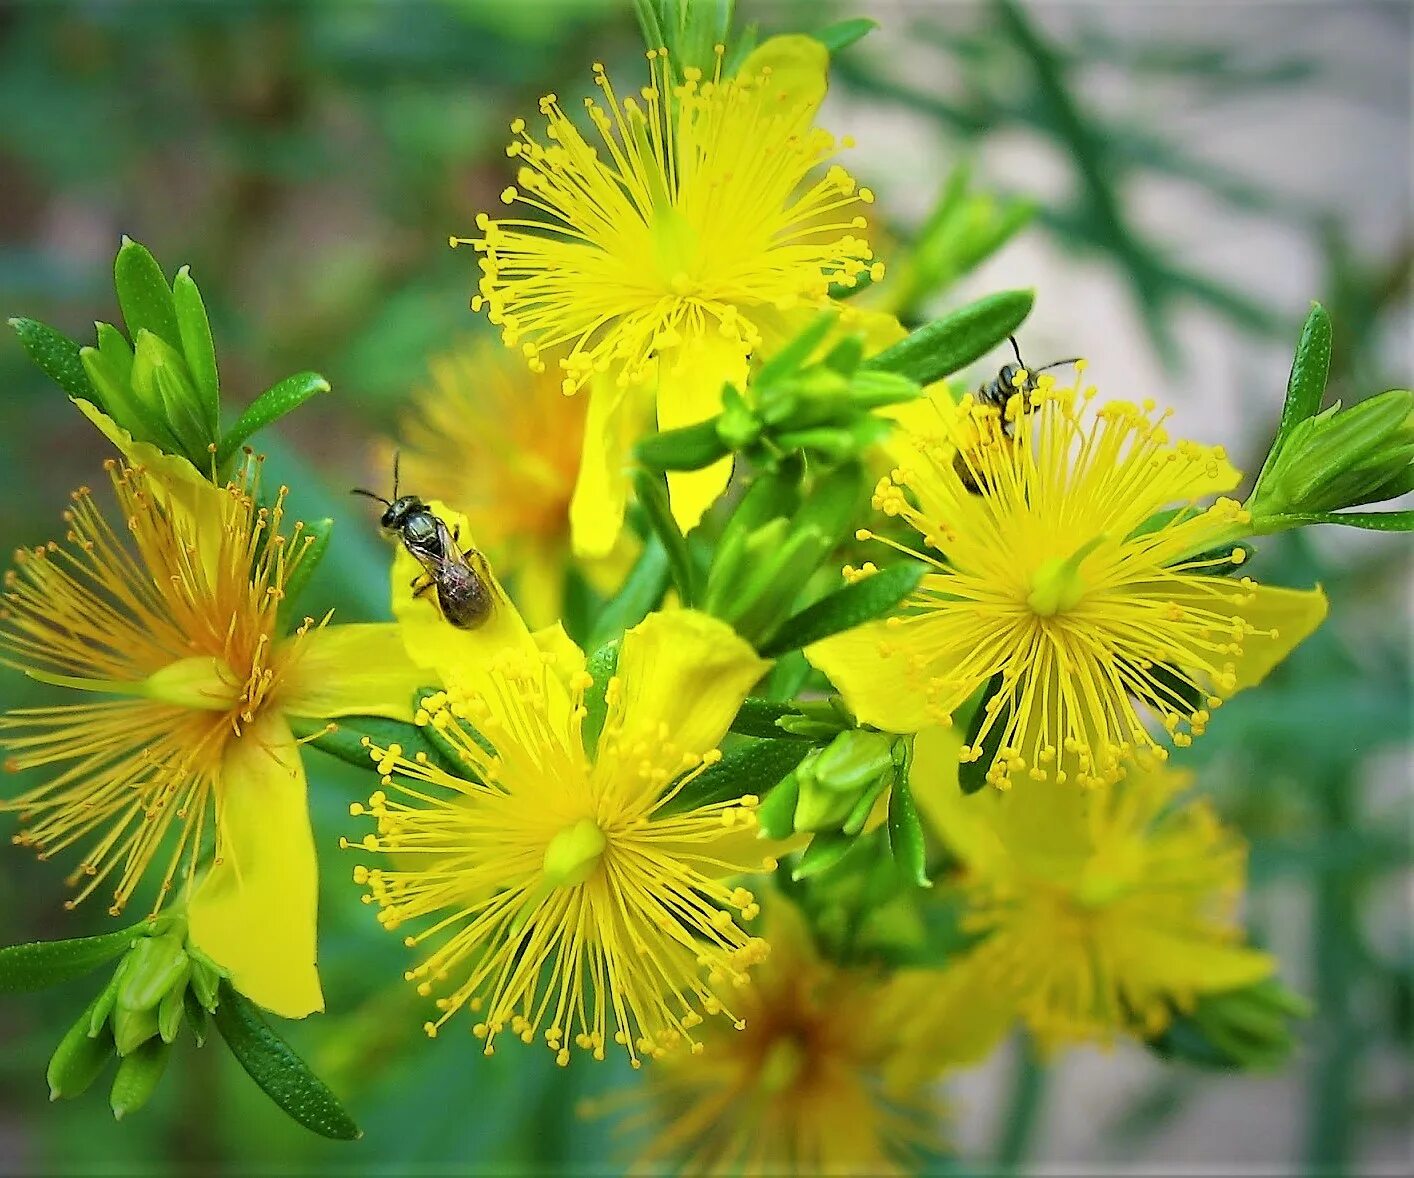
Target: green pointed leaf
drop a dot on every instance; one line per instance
(753, 767)
(144, 295)
(41, 964)
(278, 1071)
(652, 493)
(270, 406)
(640, 594)
(1375, 521)
(824, 851)
(787, 359)
(843, 34)
(776, 814)
(138, 1076)
(78, 1060)
(946, 345)
(906, 834)
(690, 448)
(757, 717)
(1310, 368)
(198, 348)
(55, 355)
(601, 666)
(864, 601)
(347, 740)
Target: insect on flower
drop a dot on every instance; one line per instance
(461, 592)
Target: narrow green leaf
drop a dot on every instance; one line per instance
(824, 851)
(41, 964)
(690, 448)
(144, 295)
(652, 494)
(776, 814)
(78, 1060)
(270, 406)
(1310, 368)
(346, 741)
(198, 347)
(640, 594)
(278, 1071)
(842, 34)
(940, 348)
(754, 767)
(846, 608)
(1375, 521)
(138, 1076)
(972, 775)
(318, 533)
(785, 360)
(906, 834)
(757, 717)
(57, 356)
(601, 666)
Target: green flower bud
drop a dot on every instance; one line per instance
(161, 381)
(133, 1028)
(840, 783)
(1247, 1029)
(1337, 459)
(137, 1078)
(854, 759)
(155, 965)
(79, 1058)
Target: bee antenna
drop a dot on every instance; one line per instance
(397, 461)
(369, 495)
(1059, 363)
(1016, 350)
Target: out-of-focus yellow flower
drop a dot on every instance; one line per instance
(502, 445)
(1102, 910)
(560, 888)
(172, 614)
(826, 1078)
(662, 258)
(1055, 572)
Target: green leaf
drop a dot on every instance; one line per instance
(278, 1071)
(78, 1060)
(972, 775)
(842, 34)
(652, 493)
(865, 600)
(41, 964)
(198, 347)
(138, 1076)
(347, 739)
(144, 295)
(57, 356)
(788, 358)
(319, 532)
(270, 406)
(1310, 369)
(754, 767)
(757, 717)
(906, 834)
(690, 448)
(824, 851)
(601, 666)
(940, 348)
(639, 595)
(1375, 521)
(776, 815)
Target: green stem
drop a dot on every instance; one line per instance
(1023, 1113)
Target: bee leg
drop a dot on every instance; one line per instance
(420, 584)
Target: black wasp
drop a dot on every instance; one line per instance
(463, 596)
(997, 393)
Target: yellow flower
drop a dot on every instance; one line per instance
(502, 445)
(662, 257)
(826, 1078)
(172, 612)
(1102, 910)
(1055, 572)
(554, 887)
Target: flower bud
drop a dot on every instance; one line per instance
(137, 1078)
(78, 1059)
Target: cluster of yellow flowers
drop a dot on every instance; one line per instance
(547, 848)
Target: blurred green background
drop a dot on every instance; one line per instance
(1199, 172)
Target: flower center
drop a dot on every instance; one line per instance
(1057, 585)
(783, 1065)
(574, 853)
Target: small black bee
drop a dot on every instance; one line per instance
(997, 393)
(462, 594)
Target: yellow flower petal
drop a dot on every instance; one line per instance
(1166, 961)
(255, 912)
(559, 649)
(601, 490)
(357, 670)
(1293, 614)
(682, 676)
(873, 683)
(799, 67)
(689, 391)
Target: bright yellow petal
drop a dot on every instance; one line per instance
(689, 391)
(682, 676)
(611, 427)
(1175, 964)
(959, 1012)
(799, 67)
(255, 914)
(872, 683)
(1293, 614)
(540, 581)
(564, 656)
(358, 670)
